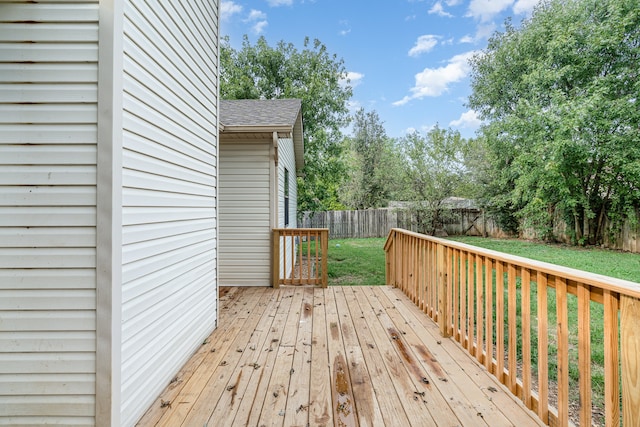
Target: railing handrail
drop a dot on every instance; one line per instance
(624, 287)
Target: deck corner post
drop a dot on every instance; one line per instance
(325, 257)
(630, 348)
(275, 267)
(443, 303)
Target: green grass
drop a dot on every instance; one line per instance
(606, 262)
(356, 262)
(622, 265)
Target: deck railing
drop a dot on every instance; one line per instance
(300, 256)
(507, 311)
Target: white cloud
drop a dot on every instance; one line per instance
(258, 27)
(486, 10)
(483, 32)
(353, 79)
(258, 19)
(439, 10)
(346, 30)
(524, 6)
(468, 120)
(436, 81)
(228, 9)
(424, 44)
(256, 15)
(453, 2)
(467, 39)
(276, 3)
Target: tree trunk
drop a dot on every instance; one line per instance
(599, 234)
(586, 231)
(577, 228)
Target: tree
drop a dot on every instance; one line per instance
(373, 164)
(315, 77)
(560, 96)
(434, 170)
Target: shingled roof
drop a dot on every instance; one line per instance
(259, 112)
(239, 116)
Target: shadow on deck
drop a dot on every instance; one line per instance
(343, 356)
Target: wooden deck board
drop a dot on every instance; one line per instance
(354, 356)
(382, 382)
(418, 393)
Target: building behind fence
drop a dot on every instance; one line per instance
(469, 221)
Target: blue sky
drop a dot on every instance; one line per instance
(406, 59)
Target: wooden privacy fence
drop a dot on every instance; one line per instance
(507, 311)
(353, 224)
(300, 256)
(378, 222)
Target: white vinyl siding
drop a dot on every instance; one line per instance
(287, 160)
(245, 229)
(169, 292)
(48, 140)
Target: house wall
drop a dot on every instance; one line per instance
(108, 204)
(169, 186)
(48, 145)
(286, 158)
(245, 251)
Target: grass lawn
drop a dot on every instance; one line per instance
(355, 262)
(622, 265)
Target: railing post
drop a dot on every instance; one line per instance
(630, 348)
(275, 268)
(388, 258)
(443, 303)
(325, 257)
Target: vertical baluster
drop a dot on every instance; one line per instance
(488, 312)
(479, 308)
(563, 351)
(421, 272)
(543, 355)
(463, 299)
(584, 352)
(611, 371)
(630, 348)
(309, 260)
(456, 294)
(526, 337)
(500, 321)
(450, 286)
(513, 333)
(325, 257)
(442, 290)
(275, 278)
(470, 303)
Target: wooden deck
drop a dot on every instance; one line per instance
(341, 356)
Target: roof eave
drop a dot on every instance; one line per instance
(256, 129)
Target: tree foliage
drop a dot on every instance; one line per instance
(373, 164)
(316, 77)
(560, 96)
(433, 171)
